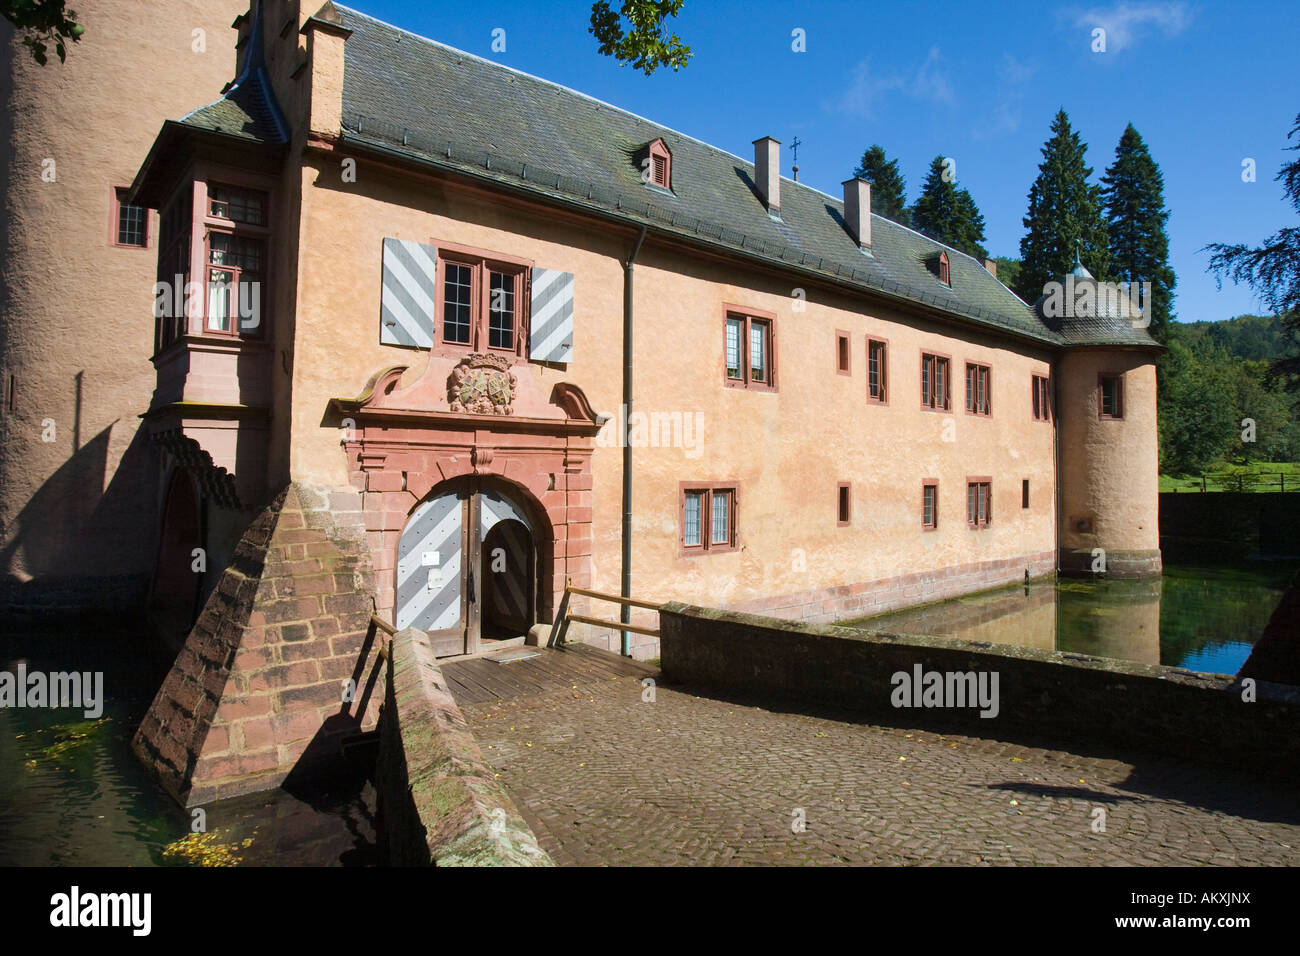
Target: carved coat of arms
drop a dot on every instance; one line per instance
(482, 384)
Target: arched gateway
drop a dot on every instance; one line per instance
(478, 506)
(467, 564)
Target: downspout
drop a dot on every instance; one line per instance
(625, 613)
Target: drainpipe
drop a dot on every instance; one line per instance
(625, 612)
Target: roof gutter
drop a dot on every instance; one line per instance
(625, 585)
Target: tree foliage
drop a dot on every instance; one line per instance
(1064, 215)
(948, 214)
(43, 23)
(1272, 270)
(888, 189)
(1133, 192)
(637, 34)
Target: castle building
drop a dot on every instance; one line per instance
(432, 337)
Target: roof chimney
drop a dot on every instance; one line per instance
(767, 172)
(992, 267)
(857, 211)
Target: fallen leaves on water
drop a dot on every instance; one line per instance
(205, 849)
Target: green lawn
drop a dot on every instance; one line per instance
(1259, 476)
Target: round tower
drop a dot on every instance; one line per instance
(1107, 443)
(77, 506)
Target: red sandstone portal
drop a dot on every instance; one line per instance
(421, 466)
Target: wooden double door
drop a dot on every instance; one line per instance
(467, 567)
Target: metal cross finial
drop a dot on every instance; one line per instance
(794, 149)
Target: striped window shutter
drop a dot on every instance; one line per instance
(410, 286)
(552, 316)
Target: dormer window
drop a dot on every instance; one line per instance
(656, 164)
(943, 269)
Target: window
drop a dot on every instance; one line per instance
(130, 223)
(979, 502)
(238, 205)
(877, 371)
(978, 395)
(934, 382)
(943, 269)
(1110, 397)
(1024, 493)
(174, 237)
(843, 504)
(235, 268)
(842, 353)
(479, 303)
(235, 260)
(708, 518)
(1042, 399)
(749, 346)
(656, 164)
(930, 504)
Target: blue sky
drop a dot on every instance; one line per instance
(1206, 84)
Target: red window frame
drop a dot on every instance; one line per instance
(930, 398)
(843, 363)
(175, 238)
(979, 389)
(979, 501)
(930, 490)
(482, 265)
(748, 319)
(1024, 493)
(661, 165)
(945, 273)
(1118, 379)
(217, 222)
(116, 207)
(708, 492)
(1041, 398)
(881, 395)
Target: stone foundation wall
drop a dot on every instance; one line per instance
(440, 802)
(1041, 694)
(261, 685)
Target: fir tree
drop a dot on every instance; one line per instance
(1064, 215)
(948, 214)
(1133, 191)
(888, 190)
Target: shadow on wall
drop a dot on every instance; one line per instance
(79, 543)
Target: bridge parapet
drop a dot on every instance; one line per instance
(440, 802)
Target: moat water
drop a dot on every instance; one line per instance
(1202, 618)
(72, 793)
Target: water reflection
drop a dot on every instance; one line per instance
(1203, 619)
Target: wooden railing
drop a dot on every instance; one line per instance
(563, 615)
(378, 623)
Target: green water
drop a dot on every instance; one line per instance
(1201, 618)
(72, 793)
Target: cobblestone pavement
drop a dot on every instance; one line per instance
(607, 779)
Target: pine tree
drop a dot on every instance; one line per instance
(948, 214)
(888, 190)
(1133, 191)
(1064, 215)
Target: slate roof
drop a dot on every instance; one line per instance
(1110, 319)
(247, 108)
(433, 104)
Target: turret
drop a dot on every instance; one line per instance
(1105, 410)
